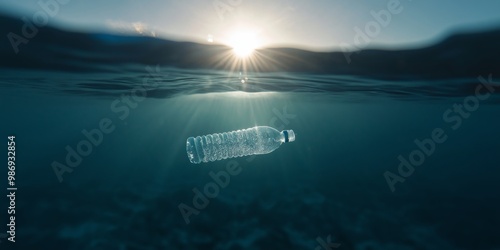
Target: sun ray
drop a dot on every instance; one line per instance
(243, 43)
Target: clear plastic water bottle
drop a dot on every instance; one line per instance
(253, 141)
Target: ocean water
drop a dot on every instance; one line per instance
(328, 183)
(101, 157)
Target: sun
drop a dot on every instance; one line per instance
(244, 43)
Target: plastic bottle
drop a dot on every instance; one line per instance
(252, 141)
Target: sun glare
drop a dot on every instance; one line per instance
(244, 43)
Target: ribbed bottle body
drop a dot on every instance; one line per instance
(252, 141)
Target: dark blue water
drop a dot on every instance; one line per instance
(101, 158)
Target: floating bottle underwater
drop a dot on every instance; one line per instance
(253, 141)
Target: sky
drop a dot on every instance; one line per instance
(313, 24)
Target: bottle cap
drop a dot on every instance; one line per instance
(289, 135)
